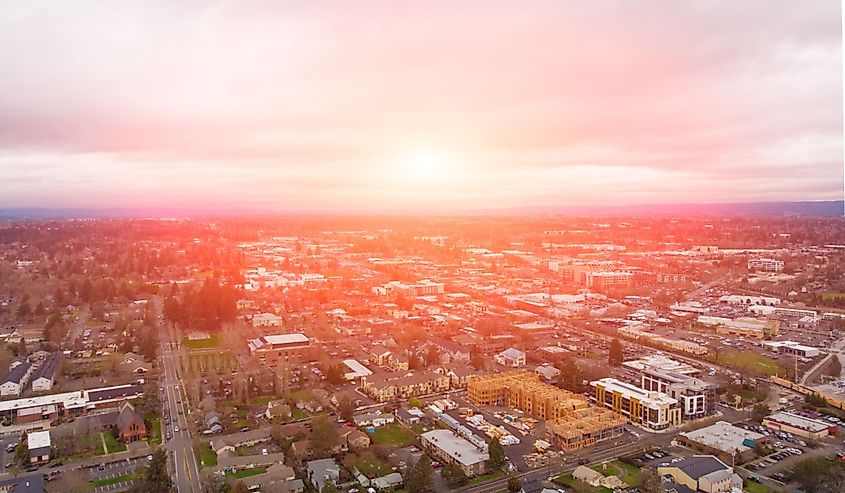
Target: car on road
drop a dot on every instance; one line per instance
(149, 457)
(176, 429)
(11, 448)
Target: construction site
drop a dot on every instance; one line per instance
(570, 421)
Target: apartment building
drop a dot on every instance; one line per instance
(697, 397)
(449, 448)
(384, 387)
(286, 347)
(571, 422)
(651, 409)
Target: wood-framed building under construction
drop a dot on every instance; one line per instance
(571, 422)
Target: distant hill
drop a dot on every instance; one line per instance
(807, 208)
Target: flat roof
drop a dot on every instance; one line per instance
(285, 339)
(357, 368)
(38, 439)
(455, 447)
(797, 421)
(627, 390)
(723, 436)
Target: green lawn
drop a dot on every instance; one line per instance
(210, 343)
(245, 473)
(632, 473)
(117, 479)
(154, 435)
(749, 360)
(393, 435)
(608, 469)
(297, 414)
(240, 423)
(207, 456)
(301, 395)
(579, 487)
(112, 444)
(368, 463)
(752, 487)
(486, 477)
(262, 401)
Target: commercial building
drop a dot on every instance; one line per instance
(792, 347)
(738, 299)
(727, 442)
(742, 326)
(266, 320)
(287, 347)
(449, 448)
(571, 422)
(799, 425)
(765, 264)
(651, 409)
(696, 397)
(76, 403)
(661, 362)
(422, 288)
(703, 473)
(601, 281)
(39, 446)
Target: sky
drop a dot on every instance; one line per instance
(407, 105)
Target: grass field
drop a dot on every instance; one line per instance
(608, 469)
(154, 436)
(486, 477)
(207, 456)
(117, 479)
(262, 401)
(369, 465)
(245, 473)
(751, 487)
(297, 414)
(210, 343)
(112, 444)
(392, 435)
(749, 360)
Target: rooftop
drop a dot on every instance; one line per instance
(38, 439)
(723, 436)
(456, 447)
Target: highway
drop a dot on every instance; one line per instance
(183, 462)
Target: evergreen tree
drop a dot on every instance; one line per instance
(497, 454)
(616, 354)
(514, 484)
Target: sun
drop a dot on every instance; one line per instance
(426, 165)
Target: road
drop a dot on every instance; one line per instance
(180, 446)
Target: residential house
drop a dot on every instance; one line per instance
(16, 380)
(278, 410)
(373, 419)
(319, 472)
(45, 375)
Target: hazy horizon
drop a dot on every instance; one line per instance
(406, 106)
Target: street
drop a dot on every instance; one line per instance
(180, 447)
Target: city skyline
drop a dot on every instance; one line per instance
(412, 107)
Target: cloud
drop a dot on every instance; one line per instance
(282, 104)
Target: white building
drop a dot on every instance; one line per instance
(266, 320)
(792, 347)
(653, 410)
(765, 264)
(513, 358)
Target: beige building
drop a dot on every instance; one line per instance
(386, 387)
